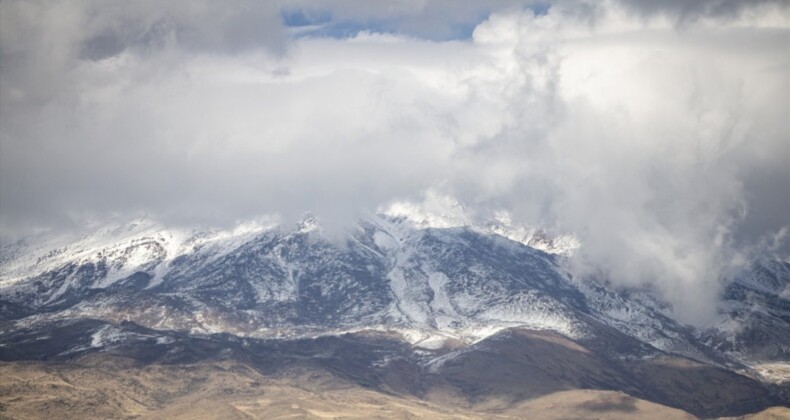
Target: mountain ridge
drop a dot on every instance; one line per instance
(439, 297)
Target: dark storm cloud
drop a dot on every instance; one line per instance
(683, 11)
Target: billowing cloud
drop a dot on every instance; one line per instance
(650, 143)
(658, 136)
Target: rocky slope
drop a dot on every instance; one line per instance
(455, 298)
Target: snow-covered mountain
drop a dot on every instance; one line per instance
(400, 300)
(390, 273)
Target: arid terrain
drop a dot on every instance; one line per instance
(105, 386)
(108, 387)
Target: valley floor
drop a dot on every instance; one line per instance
(103, 386)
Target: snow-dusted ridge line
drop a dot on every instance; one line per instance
(445, 212)
(124, 244)
(35, 255)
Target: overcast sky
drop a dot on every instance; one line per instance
(657, 132)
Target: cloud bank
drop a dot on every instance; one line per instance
(658, 135)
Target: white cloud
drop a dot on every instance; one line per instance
(651, 133)
(650, 141)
